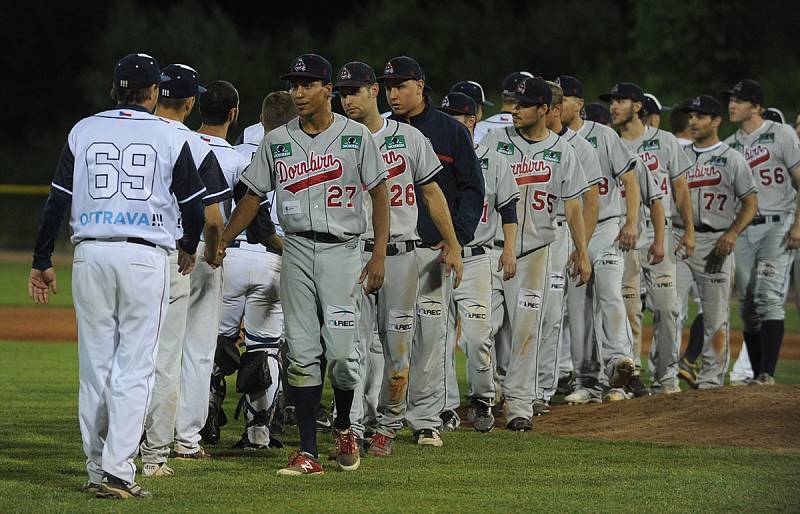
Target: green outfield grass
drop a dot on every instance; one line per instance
(41, 466)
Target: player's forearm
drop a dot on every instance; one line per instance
(241, 216)
(212, 231)
(574, 214)
(633, 196)
(683, 203)
(749, 206)
(658, 220)
(380, 218)
(53, 213)
(591, 207)
(509, 233)
(440, 215)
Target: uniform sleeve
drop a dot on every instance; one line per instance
(469, 181)
(373, 168)
(217, 188)
(743, 181)
(648, 184)
(679, 162)
(258, 175)
(790, 148)
(573, 182)
(62, 179)
(506, 189)
(589, 161)
(186, 183)
(54, 211)
(619, 156)
(428, 164)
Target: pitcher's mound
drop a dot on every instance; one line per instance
(752, 416)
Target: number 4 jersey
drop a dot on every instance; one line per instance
(121, 168)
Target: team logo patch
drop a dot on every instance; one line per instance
(395, 164)
(592, 141)
(718, 160)
(769, 137)
(395, 142)
(505, 148)
(340, 317)
(299, 65)
(446, 102)
(485, 163)
(351, 142)
(557, 281)
(345, 74)
(281, 150)
(476, 310)
(529, 299)
(552, 156)
(736, 145)
(651, 144)
(400, 321)
(389, 69)
(429, 307)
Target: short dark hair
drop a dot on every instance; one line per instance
(129, 96)
(277, 109)
(173, 104)
(218, 100)
(678, 120)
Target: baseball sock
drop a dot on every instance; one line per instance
(344, 402)
(771, 339)
(306, 403)
(695, 346)
(753, 342)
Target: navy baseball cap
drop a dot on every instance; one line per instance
(183, 82)
(455, 103)
(748, 90)
(355, 74)
(774, 114)
(534, 91)
(597, 113)
(624, 90)
(473, 90)
(512, 80)
(309, 66)
(135, 71)
(703, 104)
(651, 105)
(402, 68)
(570, 85)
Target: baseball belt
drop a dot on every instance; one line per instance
(238, 244)
(760, 220)
(134, 240)
(392, 249)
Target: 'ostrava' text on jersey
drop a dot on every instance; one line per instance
(590, 164)
(720, 176)
(248, 151)
(546, 172)
(319, 182)
(230, 161)
(498, 121)
(500, 189)
(409, 160)
(663, 156)
(129, 164)
(772, 152)
(615, 160)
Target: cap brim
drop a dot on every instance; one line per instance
(487, 103)
(351, 83)
(689, 109)
(164, 78)
(303, 75)
(384, 78)
(201, 89)
(453, 112)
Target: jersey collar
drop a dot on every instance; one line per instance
(126, 107)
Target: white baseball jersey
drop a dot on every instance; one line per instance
(410, 160)
(253, 134)
(772, 152)
(615, 160)
(497, 121)
(719, 177)
(319, 181)
(500, 190)
(547, 172)
(590, 164)
(127, 164)
(232, 164)
(248, 150)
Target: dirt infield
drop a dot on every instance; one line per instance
(750, 416)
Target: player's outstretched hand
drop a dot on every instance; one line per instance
(186, 262)
(507, 263)
(627, 237)
(685, 248)
(373, 274)
(215, 261)
(451, 258)
(579, 267)
(40, 283)
(725, 244)
(655, 254)
(792, 238)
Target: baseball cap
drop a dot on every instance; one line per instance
(570, 85)
(651, 105)
(459, 103)
(309, 66)
(534, 91)
(512, 80)
(473, 90)
(624, 90)
(355, 74)
(774, 114)
(402, 68)
(598, 113)
(183, 82)
(703, 104)
(135, 71)
(748, 90)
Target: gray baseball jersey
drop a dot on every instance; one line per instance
(719, 177)
(248, 151)
(649, 191)
(615, 159)
(590, 164)
(546, 172)
(319, 181)
(772, 152)
(500, 190)
(410, 160)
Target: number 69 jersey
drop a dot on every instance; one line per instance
(121, 168)
(319, 182)
(772, 152)
(720, 176)
(547, 172)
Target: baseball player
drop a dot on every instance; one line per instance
(723, 188)
(412, 166)
(651, 111)
(472, 300)
(765, 249)
(503, 118)
(126, 176)
(598, 327)
(547, 171)
(320, 166)
(461, 181)
(475, 91)
(597, 112)
(660, 152)
(183, 366)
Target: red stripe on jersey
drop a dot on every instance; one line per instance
(445, 158)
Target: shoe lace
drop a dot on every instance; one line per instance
(346, 442)
(379, 440)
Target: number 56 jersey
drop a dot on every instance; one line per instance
(121, 168)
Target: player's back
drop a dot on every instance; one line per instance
(122, 176)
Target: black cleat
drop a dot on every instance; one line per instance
(520, 425)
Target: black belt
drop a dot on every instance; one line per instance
(392, 248)
(472, 251)
(760, 220)
(606, 219)
(706, 229)
(561, 223)
(322, 237)
(499, 244)
(238, 244)
(134, 240)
